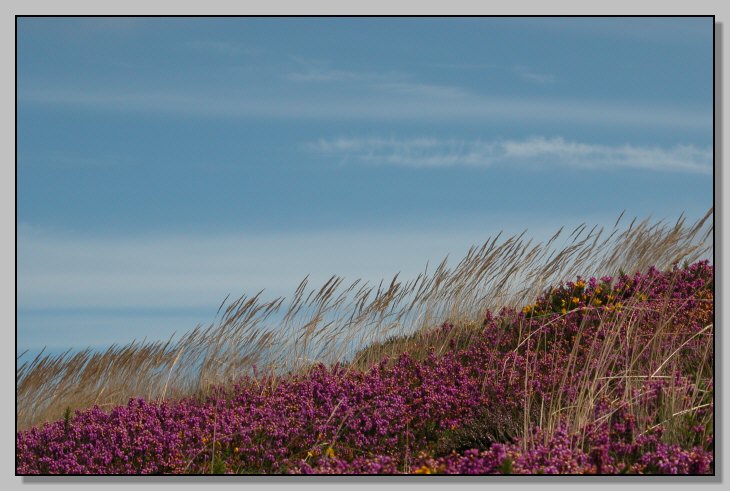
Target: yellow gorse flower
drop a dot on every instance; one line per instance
(423, 470)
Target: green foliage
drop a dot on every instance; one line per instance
(506, 466)
(218, 466)
(67, 418)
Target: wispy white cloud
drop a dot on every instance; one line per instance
(388, 83)
(522, 71)
(415, 152)
(392, 101)
(532, 76)
(536, 152)
(426, 91)
(402, 83)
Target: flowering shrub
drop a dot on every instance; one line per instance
(691, 284)
(599, 377)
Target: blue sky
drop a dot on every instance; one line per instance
(164, 163)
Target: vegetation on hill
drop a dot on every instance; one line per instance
(550, 373)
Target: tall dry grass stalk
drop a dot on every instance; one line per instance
(626, 353)
(334, 323)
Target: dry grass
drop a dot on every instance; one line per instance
(623, 359)
(336, 322)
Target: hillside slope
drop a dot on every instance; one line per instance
(607, 375)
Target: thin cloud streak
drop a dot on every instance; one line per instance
(426, 91)
(390, 102)
(536, 152)
(533, 76)
(57, 270)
